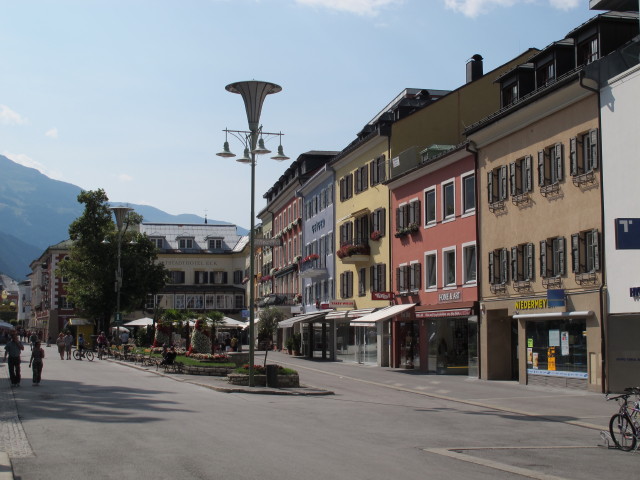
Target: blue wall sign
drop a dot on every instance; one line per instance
(627, 233)
(555, 298)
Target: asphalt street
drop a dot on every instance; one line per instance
(109, 420)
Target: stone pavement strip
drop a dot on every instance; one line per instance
(13, 440)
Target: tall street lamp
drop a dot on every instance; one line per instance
(120, 214)
(253, 93)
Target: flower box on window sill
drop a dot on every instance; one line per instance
(498, 288)
(375, 235)
(551, 282)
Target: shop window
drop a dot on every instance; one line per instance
(497, 184)
(448, 201)
(346, 187)
(378, 277)
(521, 176)
(362, 282)
(468, 193)
(550, 166)
(377, 170)
(469, 266)
(431, 274)
(552, 257)
(430, 207)
(522, 258)
(239, 301)
(583, 153)
(362, 179)
(585, 252)
(558, 347)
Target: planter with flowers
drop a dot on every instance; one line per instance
(375, 235)
(403, 231)
(287, 378)
(354, 253)
(309, 258)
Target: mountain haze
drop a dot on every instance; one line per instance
(35, 213)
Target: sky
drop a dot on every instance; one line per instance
(129, 95)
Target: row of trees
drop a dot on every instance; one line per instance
(91, 265)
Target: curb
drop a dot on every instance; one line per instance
(6, 470)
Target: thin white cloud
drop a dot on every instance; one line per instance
(27, 161)
(473, 8)
(123, 177)
(9, 117)
(52, 133)
(359, 7)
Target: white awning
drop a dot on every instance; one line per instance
(309, 317)
(140, 322)
(554, 315)
(382, 314)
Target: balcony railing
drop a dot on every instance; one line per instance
(351, 252)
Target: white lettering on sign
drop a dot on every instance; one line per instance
(450, 296)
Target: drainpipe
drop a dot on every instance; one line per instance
(604, 320)
(472, 148)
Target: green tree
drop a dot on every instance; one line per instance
(267, 327)
(91, 265)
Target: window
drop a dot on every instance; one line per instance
(176, 277)
(583, 153)
(179, 302)
(64, 303)
(239, 302)
(378, 277)
(157, 242)
(415, 276)
(346, 285)
(362, 179)
(509, 94)
(522, 258)
(378, 221)
(408, 215)
(497, 184)
(346, 187)
(588, 51)
(185, 243)
(449, 267)
(346, 233)
(545, 74)
(362, 282)
(200, 277)
(498, 266)
(585, 252)
(430, 206)
(521, 176)
(402, 278)
(432, 268)
(448, 201)
(237, 277)
(468, 193)
(377, 170)
(550, 165)
(552, 257)
(218, 277)
(469, 266)
(361, 230)
(215, 244)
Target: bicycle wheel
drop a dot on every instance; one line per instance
(89, 355)
(622, 432)
(76, 355)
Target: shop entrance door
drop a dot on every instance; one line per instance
(366, 344)
(472, 345)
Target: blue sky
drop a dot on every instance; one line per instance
(128, 95)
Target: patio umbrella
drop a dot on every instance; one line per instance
(140, 322)
(6, 325)
(119, 329)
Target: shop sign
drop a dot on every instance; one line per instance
(627, 233)
(634, 292)
(463, 312)
(381, 295)
(342, 304)
(535, 304)
(318, 226)
(556, 298)
(453, 296)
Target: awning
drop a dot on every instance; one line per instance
(140, 322)
(309, 317)
(335, 315)
(233, 323)
(6, 326)
(382, 314)
(554, 315)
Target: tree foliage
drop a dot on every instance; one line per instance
(90, 268)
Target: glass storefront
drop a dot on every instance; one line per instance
(557, 348)
(357, 343)
(409, 340)
(448, 346)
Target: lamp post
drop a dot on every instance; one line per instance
(120, 214)
(253, 93)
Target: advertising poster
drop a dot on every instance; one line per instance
(564, 343)
(551, 358)
(530, 356)
(535, 360)
(554, 338)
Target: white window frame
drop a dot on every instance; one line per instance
(432, 223)
(445, 252)
(444, 184)
(466, 281)
(428, 287)
(463, 177)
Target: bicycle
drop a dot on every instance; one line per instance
(624, 426)
(103, 352)
(84, 353)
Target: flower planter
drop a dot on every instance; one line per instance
(284, 381)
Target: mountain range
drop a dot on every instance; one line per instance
(36, 211)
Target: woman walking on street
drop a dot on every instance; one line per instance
(36, 364)
(60, 344)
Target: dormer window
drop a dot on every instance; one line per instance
(215, 243)
(185, 243)
(545, 74)
(158, 242)
(588, 51)
(509, 94)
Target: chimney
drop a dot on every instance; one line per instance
(474, 68)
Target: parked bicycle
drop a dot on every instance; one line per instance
(624, 426)
(84, 353)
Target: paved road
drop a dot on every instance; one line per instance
(106, 420)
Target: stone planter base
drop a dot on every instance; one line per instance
(211, 370)
(284, 381)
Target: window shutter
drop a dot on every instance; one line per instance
(358, 181)
(382, 174)
(490, 186)
(372, 173)
(342, 190)
(557, 152)
(398, 278)
(529, 260)
(504, 265)
(398, 218)
(225, 277)
(593, 145)
(541, 172)
(364, 181)
(514, 264)
(503, 182)
(372, 277)
(382, 221)
(543, 258)
(512, 179)
(350, 284)
(527, 181)
(596, 250)
(575, 253)
(418, 275)
(415, 206)
(561, 256)
(350, 185)
(492, 278)
(573, 156)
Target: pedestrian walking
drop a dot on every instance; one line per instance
(68, 341)
(36, 363)
(49, 340)
(60, 345)
(33, 339)
(13, 349)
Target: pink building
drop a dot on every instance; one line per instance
(433, 257)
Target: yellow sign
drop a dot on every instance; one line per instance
(551, 358)
(531, 304)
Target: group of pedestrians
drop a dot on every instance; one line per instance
(64, 343)
(13, 350)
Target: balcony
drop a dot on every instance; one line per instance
(351, 253)
(311, 268)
